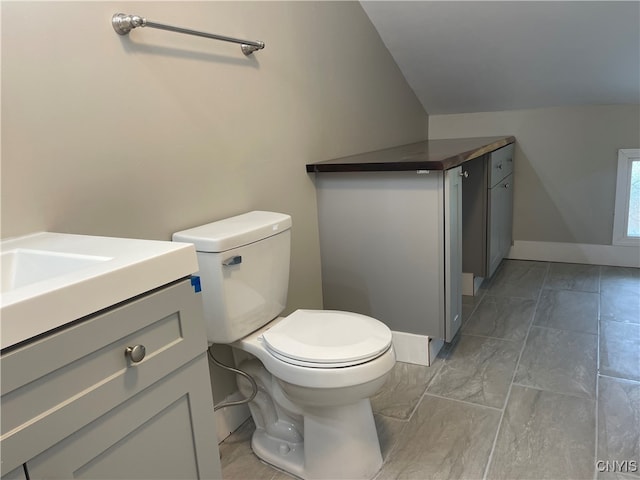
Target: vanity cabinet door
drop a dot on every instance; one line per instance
(65, 384)
(453, 251)
(500, 222)
(157, 434)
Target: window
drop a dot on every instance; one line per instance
(626, 222)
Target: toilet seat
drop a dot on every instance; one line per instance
(327, 339)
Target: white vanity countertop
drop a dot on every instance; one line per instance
(82, 275)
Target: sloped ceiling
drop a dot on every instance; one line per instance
(482, 56)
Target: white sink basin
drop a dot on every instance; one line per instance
(22, 267)
(51, 279)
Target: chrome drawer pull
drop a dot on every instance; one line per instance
(135, 353)
(464, 174)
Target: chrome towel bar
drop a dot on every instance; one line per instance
(123, 23)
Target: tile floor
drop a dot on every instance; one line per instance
(543, 382)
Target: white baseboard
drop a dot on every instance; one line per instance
(470, 284)
(620, 256)
(467, 284)
(417, 349)
(230, 418)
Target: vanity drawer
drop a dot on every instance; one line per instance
(500, 164)
(54, 385)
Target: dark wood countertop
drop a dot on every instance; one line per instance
(426, 155)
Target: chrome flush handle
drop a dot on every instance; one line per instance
(235, 260)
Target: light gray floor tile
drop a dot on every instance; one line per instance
(620, 280)
(506, 318)
(389, 432)
(467, 310)
(559, 361)
(573, 276)
(444, 439)
(478, 370)
(517, 278)
(618, 422)
(545, 435)
(403, 389)
(620, 350)
(620, 307)
(238, 460)
(568, 310)
(475, 299)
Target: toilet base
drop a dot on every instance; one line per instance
(284, 455)
(339, 443)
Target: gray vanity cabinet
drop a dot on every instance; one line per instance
(78, 403)
(398, 226)
(500, 206)
(151, 435)
(487, 212)
(391, 247)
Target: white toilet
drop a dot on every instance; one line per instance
(315, 369)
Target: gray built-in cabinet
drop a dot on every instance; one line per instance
(394, 225)
(487, 212)
(391, 247)
(74, 405)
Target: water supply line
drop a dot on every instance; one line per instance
(254, 385)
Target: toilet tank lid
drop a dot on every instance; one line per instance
(235, 231)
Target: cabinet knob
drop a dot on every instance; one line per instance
(506, 185)
(499, 166)
(135, 353)
(464, 174)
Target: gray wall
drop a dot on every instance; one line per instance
(565, 165)
(144, 135)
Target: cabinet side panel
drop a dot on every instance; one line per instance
(452, 252)
(381, 238)
(507, 227)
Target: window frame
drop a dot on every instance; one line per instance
(623, 186)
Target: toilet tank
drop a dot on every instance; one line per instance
(244, 271)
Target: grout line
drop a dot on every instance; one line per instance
(604, 375)
(515, 371)
(467, 334)
(437, 374)
(392, 450)
(565, 330)
(572, 395)
(597, 419)
(466, 402)
(511, 296)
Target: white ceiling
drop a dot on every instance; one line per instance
(479, 56)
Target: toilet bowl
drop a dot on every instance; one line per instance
(315, 369)
(327, 400)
